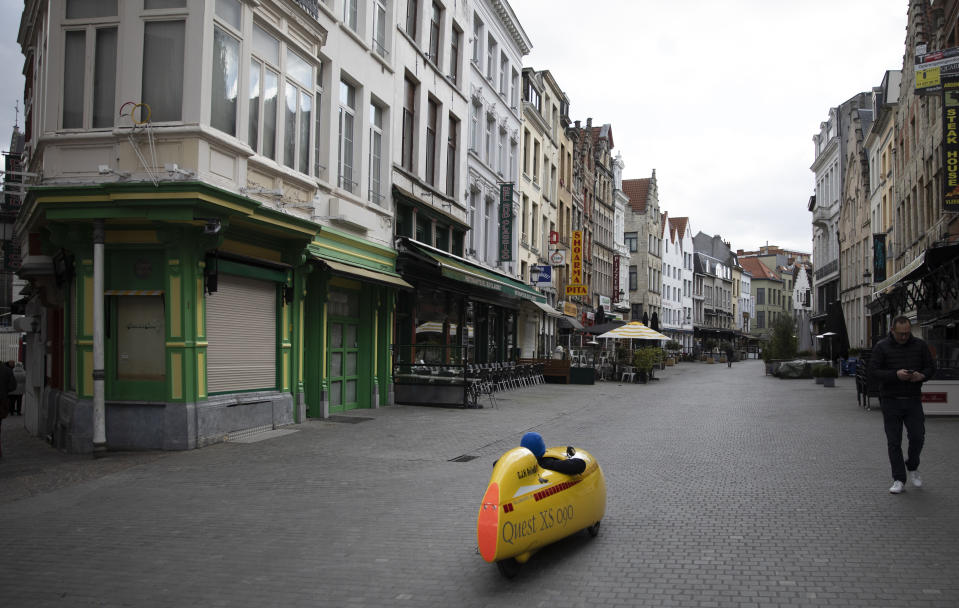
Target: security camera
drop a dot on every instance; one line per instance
(212, 226)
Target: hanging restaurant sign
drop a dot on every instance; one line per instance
(576, 287)
(506, 222)
(950, 143)
(878, 258)
(616, 277)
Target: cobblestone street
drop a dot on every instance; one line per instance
(725, 488)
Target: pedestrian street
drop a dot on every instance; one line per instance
(725, 487)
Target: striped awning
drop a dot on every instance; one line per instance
(635, 330)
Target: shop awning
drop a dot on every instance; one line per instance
(458, 269)
(570, 323)
(549, 310)
(364, 274)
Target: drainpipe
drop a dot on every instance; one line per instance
(99, 408)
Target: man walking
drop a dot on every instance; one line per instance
(900, 363)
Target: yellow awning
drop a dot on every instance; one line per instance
(366, 274)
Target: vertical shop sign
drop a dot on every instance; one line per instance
(576, 268)
(506, 222)
(616, 278)
(878, 258)
(950, 143)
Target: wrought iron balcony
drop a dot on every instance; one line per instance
(310, 6)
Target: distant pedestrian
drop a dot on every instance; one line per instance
(16, 396)
(900, 363)
(729, 356)
(7, 384)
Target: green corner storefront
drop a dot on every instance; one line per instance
(222, 317)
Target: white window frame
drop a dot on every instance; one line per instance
(87, 93)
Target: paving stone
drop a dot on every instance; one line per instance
(726, 487)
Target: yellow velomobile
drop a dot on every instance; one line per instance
(527, 507)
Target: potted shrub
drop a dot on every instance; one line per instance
(643, 360)
(672, 347)
(825, 374)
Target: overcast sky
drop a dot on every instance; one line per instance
(721, 98)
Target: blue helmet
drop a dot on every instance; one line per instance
(534, 443)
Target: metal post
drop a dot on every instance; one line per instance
(99, 407)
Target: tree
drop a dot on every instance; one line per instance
(782, 343)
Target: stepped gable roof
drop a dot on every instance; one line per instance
(680, 225)
(638, 192)
(757, 269)
(603, 132)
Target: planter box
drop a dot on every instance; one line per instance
(582, 375)
(828, 382)
(819, 380)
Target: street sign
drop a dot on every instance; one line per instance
(557, 257)
(576, 290)
(543, 274)
(932, 69)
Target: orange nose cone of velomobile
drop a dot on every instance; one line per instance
(487, 524)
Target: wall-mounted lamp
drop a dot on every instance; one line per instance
(288, 294)
(210, 273)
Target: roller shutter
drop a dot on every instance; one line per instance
(241, 332)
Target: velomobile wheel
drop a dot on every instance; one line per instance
(594, 529)
(508, 567)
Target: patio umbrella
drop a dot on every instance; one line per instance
(634, 330)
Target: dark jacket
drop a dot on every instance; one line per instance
(8, 383)
(566, 466)
(889, 356)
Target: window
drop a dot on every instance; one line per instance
(633, 278)
(344, 156)
(229, 11)
(349, 14)
(512, 160)
(474, 127)
(489, 139)
(409, 99)
(103, 55)
(501, 156)
(298, 113)
(526, 152)
(412, 16)
(379, 28)
(514, 90)
(162, 87)
(436, 20)
(154, 4)
(760, 295)
(490, 57)
(376, 154)
(760, 319)
(264, 83)
(226, 63)
(86, 9)
(432, 111)
(451, 144)
(455, 39)
(503, 74)
(477, 40)
(535, 161)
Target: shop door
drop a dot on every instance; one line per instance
(346, 384)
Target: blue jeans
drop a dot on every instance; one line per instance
(896, 413)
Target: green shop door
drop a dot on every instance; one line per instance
(349, 371)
